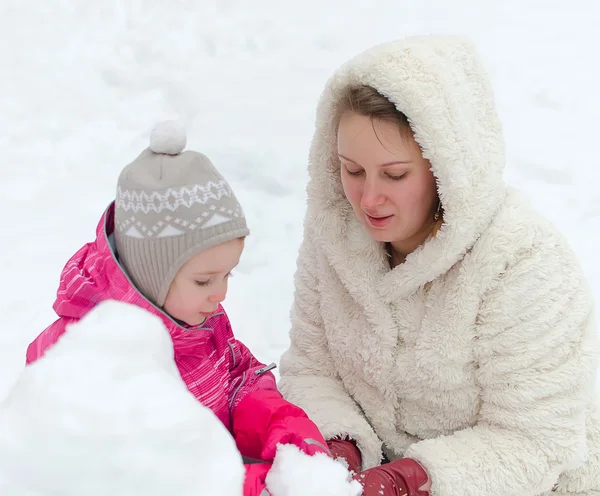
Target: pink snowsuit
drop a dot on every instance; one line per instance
(217, 368)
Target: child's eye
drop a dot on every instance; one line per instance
(202, 283)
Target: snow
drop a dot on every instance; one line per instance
(85, 82)
(89, 80)
(297, 474)
(107, 401)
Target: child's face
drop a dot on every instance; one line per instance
(201, 283)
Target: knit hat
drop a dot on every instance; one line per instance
(169, 207)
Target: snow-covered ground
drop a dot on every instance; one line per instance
(84, 82)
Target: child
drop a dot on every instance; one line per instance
(168, 244)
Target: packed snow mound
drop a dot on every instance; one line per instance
(295, 473)
(105, 411)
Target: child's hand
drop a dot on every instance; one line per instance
(296, 431)
(263, 419)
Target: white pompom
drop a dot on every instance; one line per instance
(168, 137)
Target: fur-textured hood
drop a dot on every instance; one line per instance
(442, 88)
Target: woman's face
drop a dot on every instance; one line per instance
(387, 181)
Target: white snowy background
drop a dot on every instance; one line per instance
(83, 83)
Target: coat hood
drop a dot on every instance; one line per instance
(439, 83)
(93, 274)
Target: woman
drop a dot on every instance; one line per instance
(442, 334)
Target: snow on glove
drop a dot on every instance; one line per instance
(263, 419)
(346, 450)
(404, 477)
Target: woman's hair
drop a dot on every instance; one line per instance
(367, 101)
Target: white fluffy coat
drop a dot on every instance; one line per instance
(477, 356)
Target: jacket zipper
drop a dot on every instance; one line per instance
(265, 369)
(237, 389)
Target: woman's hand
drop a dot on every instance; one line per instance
(404, 477)
(346, 450)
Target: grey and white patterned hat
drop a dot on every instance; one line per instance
(170, 206)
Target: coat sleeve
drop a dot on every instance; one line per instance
(46, 339)
(308, 375)
(255, 479)
(261, 417)
(536, 360)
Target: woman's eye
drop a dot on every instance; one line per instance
(396, 178)
(353, 173)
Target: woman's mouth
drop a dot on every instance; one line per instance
(379, 222)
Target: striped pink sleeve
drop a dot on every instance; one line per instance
(46, 339)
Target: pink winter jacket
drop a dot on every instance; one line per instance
(217, 368)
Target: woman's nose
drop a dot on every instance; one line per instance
(372, 196)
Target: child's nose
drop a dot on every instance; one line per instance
(219, 295)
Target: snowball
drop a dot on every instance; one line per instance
(168, 137)
(296, 474)
(105, 411)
